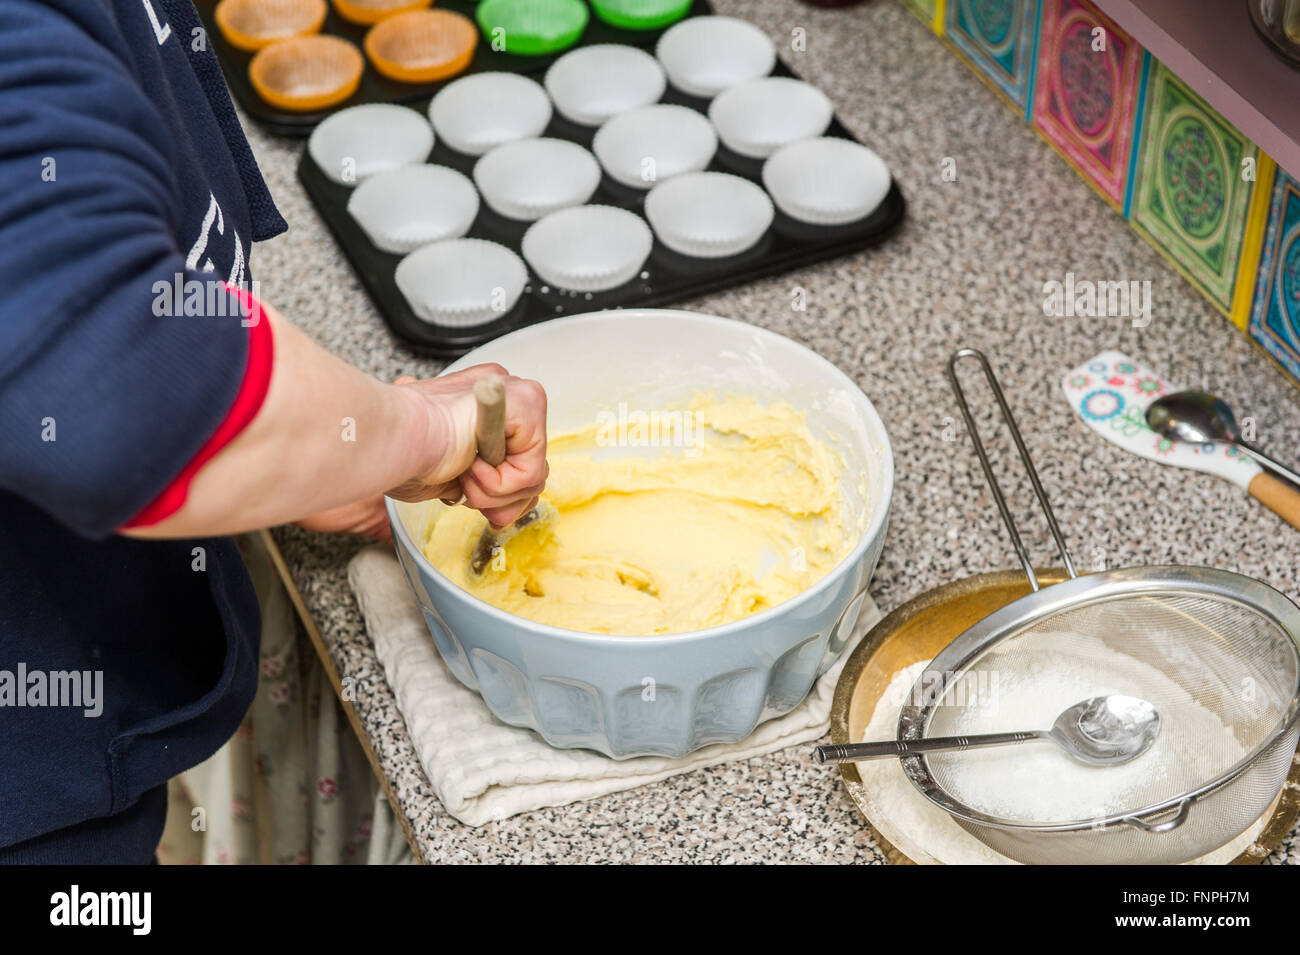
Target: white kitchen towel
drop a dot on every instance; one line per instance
(484, 770)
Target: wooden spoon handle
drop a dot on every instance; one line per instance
(1278, 496)
(490, 428)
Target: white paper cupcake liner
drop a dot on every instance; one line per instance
(758, 117)
(589, 248)
(652, 144)
(480, 112)
(461, 283)
(531, 178)
(826, 181)
(708, 214)
(705, 55)
(356, 143)
(593, 83)
(410, 206)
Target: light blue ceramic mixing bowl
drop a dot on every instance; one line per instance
(665, 695)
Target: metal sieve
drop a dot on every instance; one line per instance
(1227, 643)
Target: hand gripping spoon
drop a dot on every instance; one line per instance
(1102, 731)
(490, 434)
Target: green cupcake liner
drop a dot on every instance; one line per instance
(641, 14)
(532, 27)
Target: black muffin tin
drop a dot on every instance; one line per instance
(377, 88)
(666, 278)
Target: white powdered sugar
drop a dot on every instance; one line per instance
(1037, 781)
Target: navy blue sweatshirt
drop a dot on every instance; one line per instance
(122, 165)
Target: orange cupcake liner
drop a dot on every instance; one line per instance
(366, 12)
(307, 73)
(250, 25)
(422, 46)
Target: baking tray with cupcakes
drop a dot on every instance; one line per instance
(618, 176)
(290, 63)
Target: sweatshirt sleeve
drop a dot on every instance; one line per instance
(104, 396)
(248, 401)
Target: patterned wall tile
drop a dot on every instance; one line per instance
(1275, 317)
(997, 38)
(1086, 93)
(1190, 200)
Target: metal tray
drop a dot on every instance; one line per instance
(666, 278)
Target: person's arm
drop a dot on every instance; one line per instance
(328, 435)
(105, 399)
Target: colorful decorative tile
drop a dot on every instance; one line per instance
(1191, 200)
(931, 11)
(1086, 93)
(997, 38)
(1275, 317)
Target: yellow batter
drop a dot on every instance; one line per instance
(736, 508)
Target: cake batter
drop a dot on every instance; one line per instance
(737, 509)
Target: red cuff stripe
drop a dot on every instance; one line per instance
(252, 392)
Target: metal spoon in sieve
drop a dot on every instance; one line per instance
(1102, 731)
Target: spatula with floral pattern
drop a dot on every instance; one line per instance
(1111, 393)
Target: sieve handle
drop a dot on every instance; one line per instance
(1007, 519)
(1172, 822)
(852, 752)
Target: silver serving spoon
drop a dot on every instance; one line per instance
(1198, 417)
(1102, 731)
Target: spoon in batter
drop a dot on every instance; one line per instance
(1102, 731)
(490, 434)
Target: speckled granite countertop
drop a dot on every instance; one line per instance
(968, 267)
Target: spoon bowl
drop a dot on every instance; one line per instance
(1199, 417)
(1107, 730)
(1193, 416)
